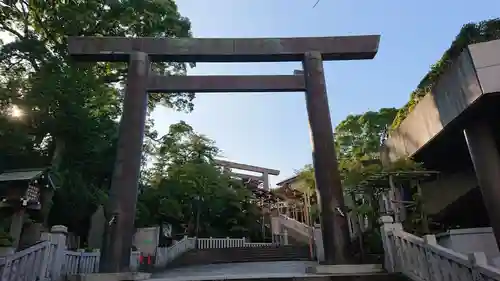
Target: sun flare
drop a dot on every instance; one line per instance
(16, 112)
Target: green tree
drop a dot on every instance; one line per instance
(186, 183)
(357, 141)
(70, 110)
(359, 136)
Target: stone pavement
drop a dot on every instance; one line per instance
(247, 270)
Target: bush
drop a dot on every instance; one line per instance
(6, 240)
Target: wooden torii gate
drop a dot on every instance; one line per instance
(139, 52)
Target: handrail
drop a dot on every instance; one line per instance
(422, 259)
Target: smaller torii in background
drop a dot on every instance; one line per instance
(264, 178)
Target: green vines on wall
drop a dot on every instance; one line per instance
(469, 34)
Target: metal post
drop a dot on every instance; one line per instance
(115, 256)
(486, 160)
(334, 226)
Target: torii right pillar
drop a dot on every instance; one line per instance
(335, 230)
(485, 157)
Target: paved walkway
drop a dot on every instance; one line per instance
(248, 270)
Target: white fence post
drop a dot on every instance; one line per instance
(318, 243)
(387, 227)
(46, 258)
(58, 237)
(477, 260)
(429, 240)
(285, 236)
(97, 260)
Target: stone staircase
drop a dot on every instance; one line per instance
(242, 254)
(374, 277)
(277, 270)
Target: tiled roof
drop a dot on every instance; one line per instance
(20, 175)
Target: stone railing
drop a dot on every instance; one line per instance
(165, 255)
(299, 227)
(76, 262)
(49, 260)
(33, 263)
(422, 259)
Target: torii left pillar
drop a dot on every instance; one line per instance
(124, 184)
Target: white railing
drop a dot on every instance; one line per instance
(80, 262)
(29, 264)
(50, 261)
(297, 226)
(220, 243)
(422, 259)
(77, 262)
(165, 255)
(223, 243)
(259, 245)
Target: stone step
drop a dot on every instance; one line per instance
(233, 255)
(277, 277)
(368, 277)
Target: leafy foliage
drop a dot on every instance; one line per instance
(69, 109)
(359, 136)
(5, 239)
(185, 182)
(70, 112)
(470, 33)
(357, 140)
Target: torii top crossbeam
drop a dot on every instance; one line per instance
(223, 49)
(246, 167)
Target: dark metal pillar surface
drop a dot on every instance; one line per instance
(124, 185)
(486, 160)
(334, 225)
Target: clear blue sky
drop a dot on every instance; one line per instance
(271, 130)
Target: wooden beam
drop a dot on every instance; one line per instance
(247, 167)
(223, 49)
(226, 83)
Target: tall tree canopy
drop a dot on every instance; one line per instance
(359, 136)
(58, 113)
(357, 140)
(185, 182)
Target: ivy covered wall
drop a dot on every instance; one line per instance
(470, 33)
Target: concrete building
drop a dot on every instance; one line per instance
(454, 130)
